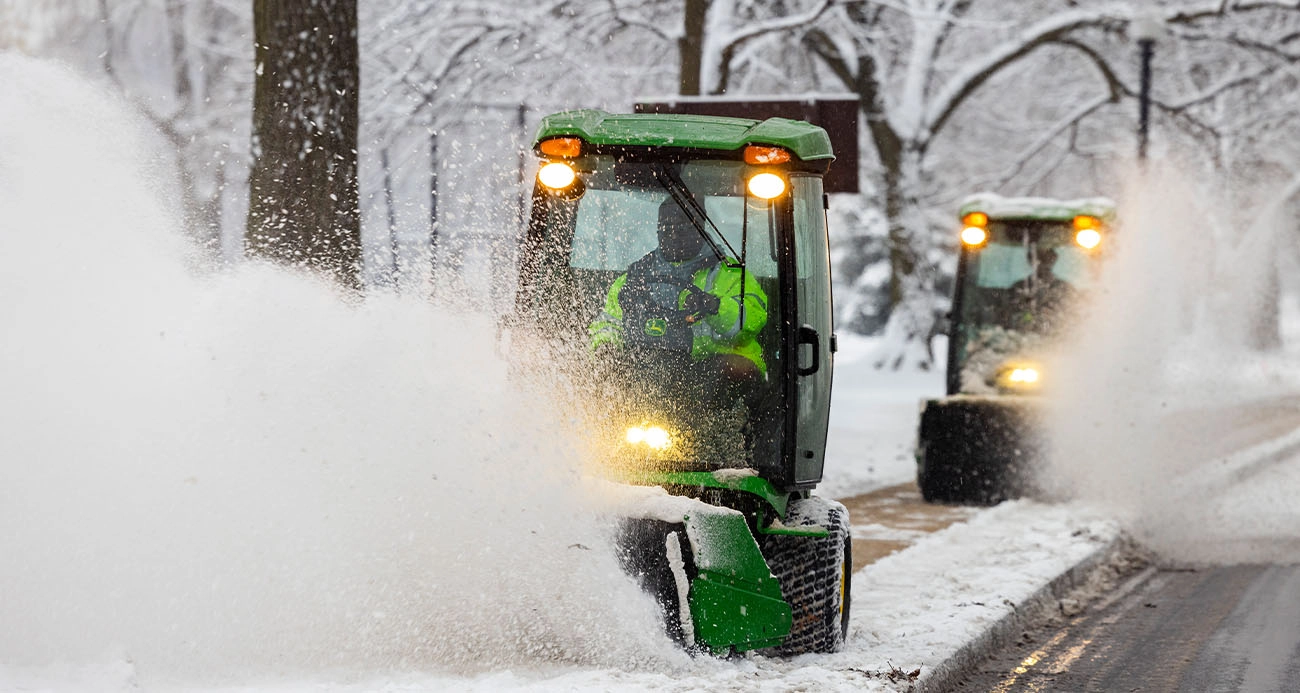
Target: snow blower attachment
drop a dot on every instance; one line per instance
(676, 267)
(1023, 276)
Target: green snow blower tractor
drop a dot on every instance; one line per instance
(1024, 274)
(676, 270)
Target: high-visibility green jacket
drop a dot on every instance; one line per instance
(656, 300)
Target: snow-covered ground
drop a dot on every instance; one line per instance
(241, 481)
(874, 415)
(911, 610)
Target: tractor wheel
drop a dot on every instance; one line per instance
(815, 575)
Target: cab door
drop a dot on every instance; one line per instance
(814, 336)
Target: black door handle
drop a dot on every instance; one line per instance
(808, 335)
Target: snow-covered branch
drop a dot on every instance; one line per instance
(630, 19)
(1053, 29)
(1213, 91)
(726, 35)
(1221, 8)
(1071, 120)
(730, 40)
(433, 78)
(968, 79)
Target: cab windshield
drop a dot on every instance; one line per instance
(590, 241)
(586, 243)
(1019, 292)
(616, 218)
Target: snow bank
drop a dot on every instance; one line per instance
(920, 606)
(914, 609)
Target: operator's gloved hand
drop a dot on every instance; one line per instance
(700, 304)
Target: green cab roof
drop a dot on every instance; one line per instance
(808, 142)
(1036, 208)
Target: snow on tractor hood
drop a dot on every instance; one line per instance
(648, 502)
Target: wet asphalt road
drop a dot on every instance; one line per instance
(1233, 628)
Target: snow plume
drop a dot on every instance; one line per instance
(1160, 384)
(246, 475)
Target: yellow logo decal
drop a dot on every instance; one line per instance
(656, 327)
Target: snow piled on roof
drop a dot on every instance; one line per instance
(999, 207)
(803, 97)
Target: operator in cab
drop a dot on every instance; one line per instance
(1042, 301)
(682, 298)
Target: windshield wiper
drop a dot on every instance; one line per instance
(685, 199)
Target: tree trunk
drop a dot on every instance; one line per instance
(911, 322)
(202, 203)
(691, 46)
(303, 206)
(1266, 328)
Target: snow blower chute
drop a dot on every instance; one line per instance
(677, 267)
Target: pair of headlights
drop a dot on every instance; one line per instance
(1087, 230)
(559, 176)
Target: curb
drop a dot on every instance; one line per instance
(946, 674)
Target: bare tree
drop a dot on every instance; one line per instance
(717, 37)
(303, 194)
(914, 67)
(1051, 82)
(180, 63)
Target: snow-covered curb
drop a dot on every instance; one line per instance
(1004, 631)
(946, 602)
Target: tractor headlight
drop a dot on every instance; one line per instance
(1019, 377)
(1087, 231)
(557, 175)
(1027, 376)
(1088, 238)
(974, 236)
(653, 437)
(766, 185)
(975, 229)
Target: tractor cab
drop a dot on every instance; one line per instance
(1026, 270)
(682, 261)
